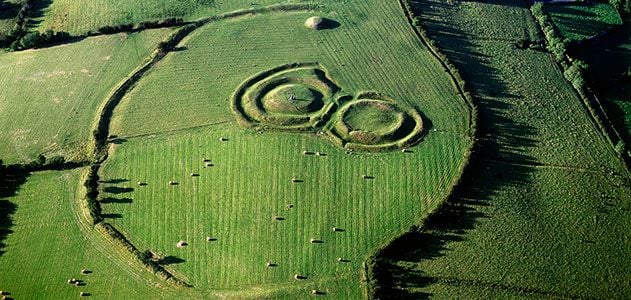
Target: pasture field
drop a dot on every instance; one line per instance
(544, 212)
(250, 182)
(50, 96)
(580, 21)
(176, 115)
(49, 243)
(79, 18)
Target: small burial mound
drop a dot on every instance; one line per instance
(293, 99)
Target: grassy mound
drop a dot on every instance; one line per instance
(376, 124)
(371, 117)
(293, 99)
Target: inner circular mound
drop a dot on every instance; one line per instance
(371, 117)
(293, 99)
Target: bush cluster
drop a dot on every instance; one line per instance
(92, 192)
(129, 27)
(556, 45)
(39, 39)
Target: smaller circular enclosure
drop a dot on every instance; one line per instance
(373, 123)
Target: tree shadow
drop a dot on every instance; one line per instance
(9, 10)
(10, 184)
(499, 159)
(117, 190)
(116, 200)
(37, 12)
(112, 216)
(170, 260)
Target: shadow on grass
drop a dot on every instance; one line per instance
(9, 10)
(117, 190)
(500, 139)
(116, 200)
(170, 260)
(9, 185)
(37, 13)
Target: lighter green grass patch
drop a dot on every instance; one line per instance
(50, 96)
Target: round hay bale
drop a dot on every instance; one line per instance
(316, 23)
(181, 244)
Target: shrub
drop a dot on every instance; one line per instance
(37, 39)
(92, 192)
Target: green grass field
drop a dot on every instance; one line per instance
(79, 18)
(545, 211)
(282, 157)
(580, 21)
(50, 242)
(174, 119)
(51, 96)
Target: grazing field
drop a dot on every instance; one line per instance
(274, 186)
(48, 244)
(580, 21)
(50, 96)
(79, 18)
(543, 212)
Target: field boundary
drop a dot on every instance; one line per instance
(573, 73)
(373, 265)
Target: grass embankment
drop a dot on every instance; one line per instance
(50, 95)
(175, 116)
(546, 206)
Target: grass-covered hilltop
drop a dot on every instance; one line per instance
(369, 149)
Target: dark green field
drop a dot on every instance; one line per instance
(540, 215)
